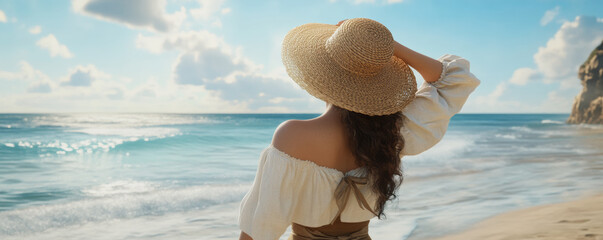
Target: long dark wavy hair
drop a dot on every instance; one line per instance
(376, 143)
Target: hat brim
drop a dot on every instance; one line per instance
(308, 63)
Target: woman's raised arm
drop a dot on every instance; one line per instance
(448, 83)
(429, 68)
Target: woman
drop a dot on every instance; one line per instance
(328, 176)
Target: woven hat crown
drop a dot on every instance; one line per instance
(361, 46)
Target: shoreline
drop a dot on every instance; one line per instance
(578, 219)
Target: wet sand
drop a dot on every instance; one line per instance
(581, 219)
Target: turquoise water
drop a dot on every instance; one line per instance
(181, 176)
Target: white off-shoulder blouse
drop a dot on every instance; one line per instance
(289, 190)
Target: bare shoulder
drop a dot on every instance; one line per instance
(319, 141)
(303, 139)
(291, 136)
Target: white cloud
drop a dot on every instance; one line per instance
(521, 76)
(146, 14)
(258, 91)
(549, 15)
(557, 102)
(80, 78)
(27, 72)
(198, 68)
(208, 11)
(208, 8)
(152, 44)
(86, 89)
(9, 75)
(148, 90)
(183, 41)
(38, 81)
(2, 16)
(40, 87)
(35, 30)
(55, 48)
(256, 87)
(217, 23)
(205, 60)
(498, 91)
(90, 83)
(84, 76)
(557, 63)
(110, 94)
(203, 56)
(493, 99)
(559, 60)
(492, 102)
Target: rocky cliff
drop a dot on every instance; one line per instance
(588, 105)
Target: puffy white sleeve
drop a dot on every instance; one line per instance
(261, 215)
(426, 118)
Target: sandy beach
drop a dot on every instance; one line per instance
(580, 219)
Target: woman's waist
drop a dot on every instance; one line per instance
(338, 228)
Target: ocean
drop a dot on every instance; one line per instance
(182, 176)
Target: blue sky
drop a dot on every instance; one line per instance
(196, 56)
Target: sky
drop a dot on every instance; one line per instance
(223, 56)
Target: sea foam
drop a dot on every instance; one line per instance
(117, 206)
(117, 120)
(120, 187)
(129, 132)
(548, 121)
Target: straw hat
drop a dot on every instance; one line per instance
(351, 66)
